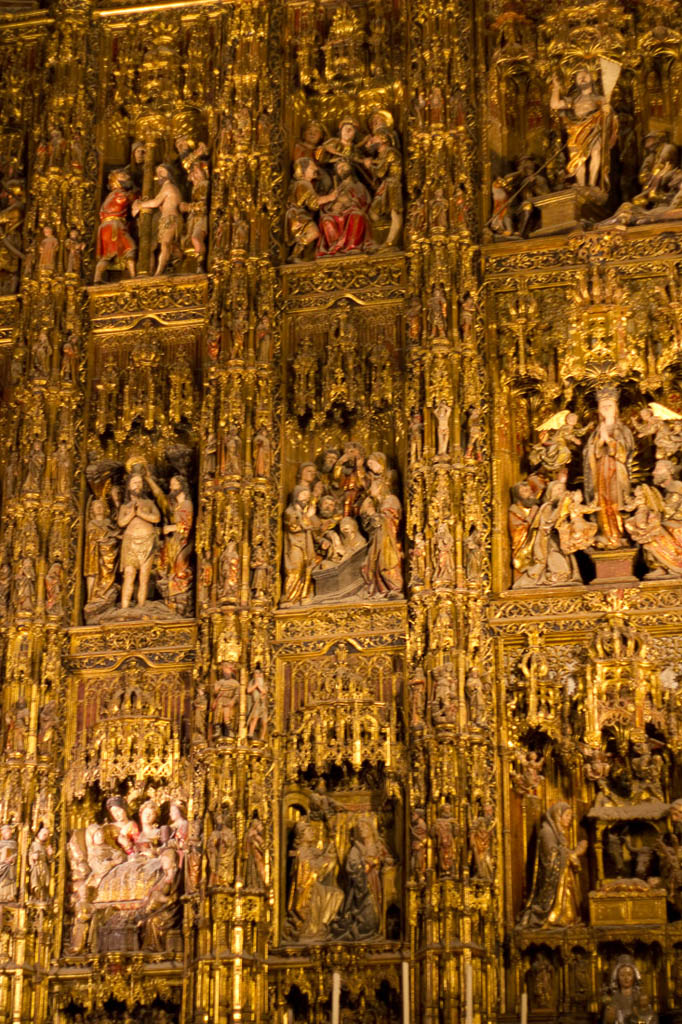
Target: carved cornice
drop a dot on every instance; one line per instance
(366, 278)
(632, 248)
(172, 302)
(105, 647)
(573, 609)
(367, 627)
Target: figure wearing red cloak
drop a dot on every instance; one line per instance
(344, 226)
(113, 237)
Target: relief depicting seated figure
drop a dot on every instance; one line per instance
(344, 222)
(341, 187)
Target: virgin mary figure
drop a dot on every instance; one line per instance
(555, 896)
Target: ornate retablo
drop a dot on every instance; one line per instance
(340, 512)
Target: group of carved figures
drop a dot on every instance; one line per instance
(346, 189)
(624, 998)
(555, 901)
(40, 857)
(548, 523)
(639, 834)
(141, 536)
(17, 728)
(224, 703)
(340, 867)
(179, 208)
(342, 529)
(330, 897)
(582, 159)
(128, 876)
(444, 835)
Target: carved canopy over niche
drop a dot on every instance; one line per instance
(345, 365)
(128, 724)
(342, 709)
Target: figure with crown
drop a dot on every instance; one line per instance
(607, 460)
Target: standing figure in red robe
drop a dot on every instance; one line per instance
(344, 224)
(114, 241)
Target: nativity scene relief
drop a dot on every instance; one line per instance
(128, 875)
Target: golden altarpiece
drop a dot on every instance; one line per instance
(341, 537)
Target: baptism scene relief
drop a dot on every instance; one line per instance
(139, 541)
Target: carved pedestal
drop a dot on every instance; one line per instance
(615, 566)
(627, 907)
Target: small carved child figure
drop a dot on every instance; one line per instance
(73, 248)
(47, 258)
